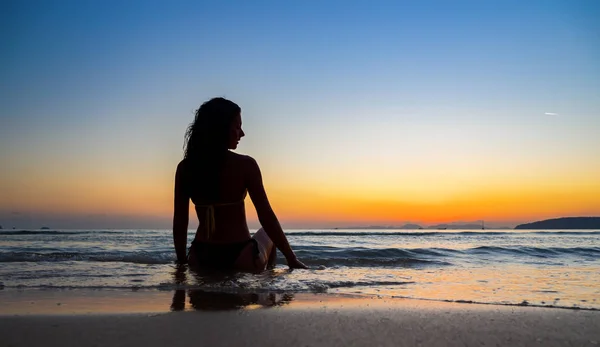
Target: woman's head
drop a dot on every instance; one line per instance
(217, 127)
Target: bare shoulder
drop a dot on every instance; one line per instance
(245, 161)
(182, 166)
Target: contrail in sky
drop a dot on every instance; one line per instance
(550, 114)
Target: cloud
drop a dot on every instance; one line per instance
(550, 114)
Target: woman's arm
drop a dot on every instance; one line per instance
(266, 215)
(181, 213)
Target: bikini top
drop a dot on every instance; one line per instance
(210, 214)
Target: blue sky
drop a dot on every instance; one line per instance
(363, 90)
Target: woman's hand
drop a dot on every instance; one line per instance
(294, 263)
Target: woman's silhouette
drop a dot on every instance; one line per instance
(216, 180)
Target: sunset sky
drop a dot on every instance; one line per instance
(359, 113)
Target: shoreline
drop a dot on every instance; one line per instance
(82, 301)
(159, 318)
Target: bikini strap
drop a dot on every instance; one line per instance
(210, 215)
(210, 220)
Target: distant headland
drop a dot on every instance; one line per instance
(564, 223)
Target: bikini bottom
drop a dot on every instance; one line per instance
(220, 256)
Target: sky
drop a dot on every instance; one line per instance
(359, 113)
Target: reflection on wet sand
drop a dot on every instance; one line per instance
(214, 301)
(209, 300)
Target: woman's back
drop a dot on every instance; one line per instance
(228, 210)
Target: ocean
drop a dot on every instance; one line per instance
(507, 267)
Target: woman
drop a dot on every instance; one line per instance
(216, 180)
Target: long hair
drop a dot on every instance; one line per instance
(206, 142)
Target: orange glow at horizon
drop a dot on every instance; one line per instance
(498, 200)
(506, 206)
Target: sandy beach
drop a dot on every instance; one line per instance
(67, 318)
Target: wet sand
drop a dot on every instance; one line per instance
(277, 320)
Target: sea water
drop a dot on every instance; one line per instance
(523, 267)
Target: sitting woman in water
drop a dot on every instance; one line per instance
(216, 180)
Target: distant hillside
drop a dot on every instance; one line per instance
(455, 226)
(411, 226)
(405, 226)
(564, 223)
